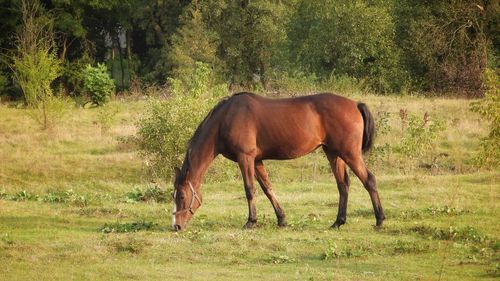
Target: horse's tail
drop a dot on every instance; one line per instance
(368, 128)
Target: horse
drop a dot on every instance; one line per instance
(247, 128)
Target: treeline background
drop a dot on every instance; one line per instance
(384, 46)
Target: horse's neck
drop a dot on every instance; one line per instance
(201, 155)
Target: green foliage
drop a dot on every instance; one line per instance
(35, 64)
(73, 75)
(351, 38)
(68, 196)
(106, 115)
(466, 234)
(51, 111)
(7, 239)
(420, 136)
(151, 193)
(98, 84)
(127, 227)
(167, 125)
(489, 108)
(192, 44)
(444, 43)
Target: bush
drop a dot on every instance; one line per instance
(326, 38)
(166, 127)
(489, 108)
(420, 136)
(151, 193)
(51, 111)
(106, 115)
(98, 84)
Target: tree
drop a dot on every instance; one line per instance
(353, 38)
(445, 43)
(191, 44)
(35, 64)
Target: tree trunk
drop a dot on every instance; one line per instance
(112, 62)
(129, 56)
(121, 62)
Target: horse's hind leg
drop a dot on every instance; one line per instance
(265, 184)
(339, 171)
(358, 166)
(246, 164)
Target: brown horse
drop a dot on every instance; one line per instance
(247, 128)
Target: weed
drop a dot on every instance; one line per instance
(409, 247)
(420, 135)
(445, 210)
(151, 193)
(465, 234)
(127, 227)
(23, 196)
(281, 259)
(333, 251)
(68, 196)
(106, 115)
(7, 239)
(130, 245)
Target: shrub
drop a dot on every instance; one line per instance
(489, 108)
(151, 193)
(35, 64)
(98, 84)
(106, 116)
(51, 111)
(420, 136)
(127, 227)
(167, 125)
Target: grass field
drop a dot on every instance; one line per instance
(69, 209)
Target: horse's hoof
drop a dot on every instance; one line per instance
(282, 224)
(378, 226)
(249, 225)
(337, 224)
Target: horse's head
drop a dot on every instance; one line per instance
(187, 199)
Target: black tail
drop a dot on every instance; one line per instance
(368, 128)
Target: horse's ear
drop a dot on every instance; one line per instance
(177, 172)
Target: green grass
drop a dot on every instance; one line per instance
(74, 204)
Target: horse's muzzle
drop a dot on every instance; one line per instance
(177, 227)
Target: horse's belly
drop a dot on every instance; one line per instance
(289, 148)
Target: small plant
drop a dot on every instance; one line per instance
(331, 251)
(106, 115)
(7, 239)
(127, 227)
(445, 210)
(130, 245)
(151, 193)
(23, 196)
(51, 111)
(281, 259)
(465, 234)
(68, 196)
(98, 84)
(420, 136)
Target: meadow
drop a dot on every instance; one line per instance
(77, 204)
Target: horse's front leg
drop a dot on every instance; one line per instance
(247, 168)
(263, 179)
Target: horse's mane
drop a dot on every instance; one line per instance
(186, 165)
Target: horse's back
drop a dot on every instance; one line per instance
(284, 128)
